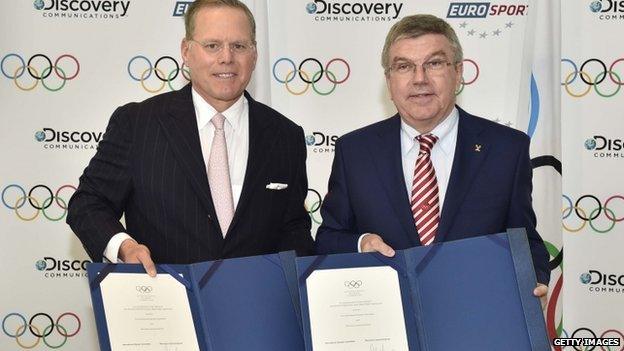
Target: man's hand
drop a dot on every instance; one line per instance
(374, 243)
(541, 291)
(132, 252)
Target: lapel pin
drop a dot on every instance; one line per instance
(478, 147)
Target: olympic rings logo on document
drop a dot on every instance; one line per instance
(470, 81)
(583, 76)
(336, 71)
(15, 198)
(602, 211)
(14, 67)
(14, 325)
(158, 76)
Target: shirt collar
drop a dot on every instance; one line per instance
(204, 111)
(443, 131)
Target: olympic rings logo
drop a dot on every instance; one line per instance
(17, 202)
(144, 288)
(583, 332)
(17, 331)
(353, 284)
(14, 67)
(313, 79)
(589, 216)
(592, 80)
(465, 82)
(313, 204)
(164, 75)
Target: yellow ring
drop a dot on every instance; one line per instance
(295, 92)
(142, 80)
(24, 198)
(24, 328)
(24, 68)
(582, 225)
(583, 93)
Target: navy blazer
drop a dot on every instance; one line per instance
(489, 189)
(149, 167)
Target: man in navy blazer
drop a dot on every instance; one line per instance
(155, 162)
(482, 169)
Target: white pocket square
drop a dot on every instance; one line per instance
(276, 186)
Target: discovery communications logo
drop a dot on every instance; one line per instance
(84, 9)
(607, 10)
(349, 11)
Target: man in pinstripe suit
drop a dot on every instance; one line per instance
(202, 173)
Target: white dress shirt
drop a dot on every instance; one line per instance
(442, 155)
(236, 128)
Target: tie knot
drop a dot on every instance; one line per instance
(218, 120)
(426, 142)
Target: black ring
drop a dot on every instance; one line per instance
(318, 63)
(177, 69)
(576, 207)
(49, 63)
(30, 197)
(30, 324)
(592, 333)
(604, 70)
(320, 201)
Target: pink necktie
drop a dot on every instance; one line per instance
(424, 201)
(219, 176)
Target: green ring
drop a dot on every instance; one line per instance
(462, 85)
(64, 78)
(320, 92)
(598, 230)
(598, 77)
(48, 328)
(171, 75)
(47, 202)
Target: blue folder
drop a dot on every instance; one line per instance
(239, 304)
(471, 294)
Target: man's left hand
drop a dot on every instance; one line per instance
(541, 291)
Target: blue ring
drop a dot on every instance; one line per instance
(571, 206)
(2, 65)
(576, 71)
(147, 60)
(23, 192)
(4, 327)
(294, 69)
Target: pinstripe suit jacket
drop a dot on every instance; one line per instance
(149, 167)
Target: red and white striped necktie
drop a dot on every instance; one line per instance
(424, 200)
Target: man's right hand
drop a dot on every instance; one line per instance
(374, 243)
(132, 252)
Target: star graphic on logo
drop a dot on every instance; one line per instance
(471, 32)
(463, 25)
(483, 35)
(508, 24)
(496, 32)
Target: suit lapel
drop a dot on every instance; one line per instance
(386, 154)
(470, 152)
(180, 127)
(260, 142)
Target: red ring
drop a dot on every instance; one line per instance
(476, 76)
(605, 207)
(71, 57)
(327, 69)
(611, 71)
(56, 195)
(68, 314)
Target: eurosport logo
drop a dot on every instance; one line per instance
(27, 73)
(52, 267)
(28, 332)
(324, 79)
(600, 282)
(500, 18)
(313, 202)
(607, 9)
(349, 11)
(163, 72)
(179, 9)
(588, 209)
(39, 199)
(320, 142)
(603, 147)
(52, 139)
(585, 339)
(578, 80)
(83, 9)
